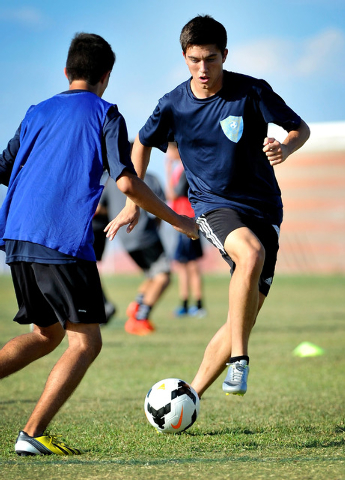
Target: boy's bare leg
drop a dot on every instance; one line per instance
(248, 254)
(195, 279)
(84, 345)
(183, 280)
(217, 354)
(25, 349)
(156, 287)
(245, 302)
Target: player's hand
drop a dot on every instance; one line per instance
(275, 151)
(189, 227)
(129, 215)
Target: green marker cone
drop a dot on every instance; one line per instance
(307, 349)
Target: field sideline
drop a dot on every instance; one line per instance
(289, 425)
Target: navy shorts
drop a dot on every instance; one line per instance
(187, 249)
(216, 226)
(48, 293)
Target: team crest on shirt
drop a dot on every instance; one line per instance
(232, 127)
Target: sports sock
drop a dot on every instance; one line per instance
(139, 298)
(185, 304)
(199, 304)
(240, 357)
(143, 312)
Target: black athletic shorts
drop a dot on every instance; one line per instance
(216, 226)
(48, 293)
(152, 260)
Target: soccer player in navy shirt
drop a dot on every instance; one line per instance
(53, 168)
(219, 121)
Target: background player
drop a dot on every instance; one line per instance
(187, 251)
(145, 247)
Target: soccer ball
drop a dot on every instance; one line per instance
(171, 405)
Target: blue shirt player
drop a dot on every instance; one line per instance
(53, 168)
(219, 121)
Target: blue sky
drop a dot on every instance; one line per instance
(298, 46)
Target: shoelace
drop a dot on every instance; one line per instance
(55, 439)
(236, 371)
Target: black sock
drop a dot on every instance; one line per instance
(199, 304)
(139, 298)
(143, 312)
(185, 304)
(237, 359)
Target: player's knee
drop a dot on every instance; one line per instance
(87, 341)
(94, 346)
(50, 337)
(252, 260)
(97, 348)
(167, 279)
(164, 279)
(90, 349)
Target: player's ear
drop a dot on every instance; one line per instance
(65, 72)
(105, 77)
(225, 54)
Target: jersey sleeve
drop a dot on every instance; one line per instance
(8, 157)
(275, 110)
(116, 143)
(157, 130)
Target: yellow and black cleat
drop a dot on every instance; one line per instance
(44, 445)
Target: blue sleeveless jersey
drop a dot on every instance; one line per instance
(55, 186)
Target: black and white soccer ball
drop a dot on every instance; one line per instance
(172, 405)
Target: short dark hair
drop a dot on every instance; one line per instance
(89, 57)
(203, 30)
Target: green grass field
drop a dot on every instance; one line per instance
(289, 425)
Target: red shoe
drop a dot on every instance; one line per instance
(139, 327)
(132, 309)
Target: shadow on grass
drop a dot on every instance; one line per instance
(16, 401)
(30, 461)
(225, 431)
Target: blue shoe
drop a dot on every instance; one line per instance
(194, 311)
(236, 379)
(180, 312)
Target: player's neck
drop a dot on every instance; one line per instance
(205, 91)
(83, 85)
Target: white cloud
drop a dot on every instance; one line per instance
(28, 16)
(321, 54)
(324, 52)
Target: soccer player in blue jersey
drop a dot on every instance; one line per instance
(53, 167)
(219, 120)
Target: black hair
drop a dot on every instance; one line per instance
(203, 30)
(89, 58)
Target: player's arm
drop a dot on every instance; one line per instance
(140, 194)
(8, 157)
(140, 158)
(277, 152)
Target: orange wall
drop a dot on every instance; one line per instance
(313, 231)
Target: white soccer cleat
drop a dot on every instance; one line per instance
(236, 379)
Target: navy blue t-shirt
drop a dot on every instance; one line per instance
(220, 141)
